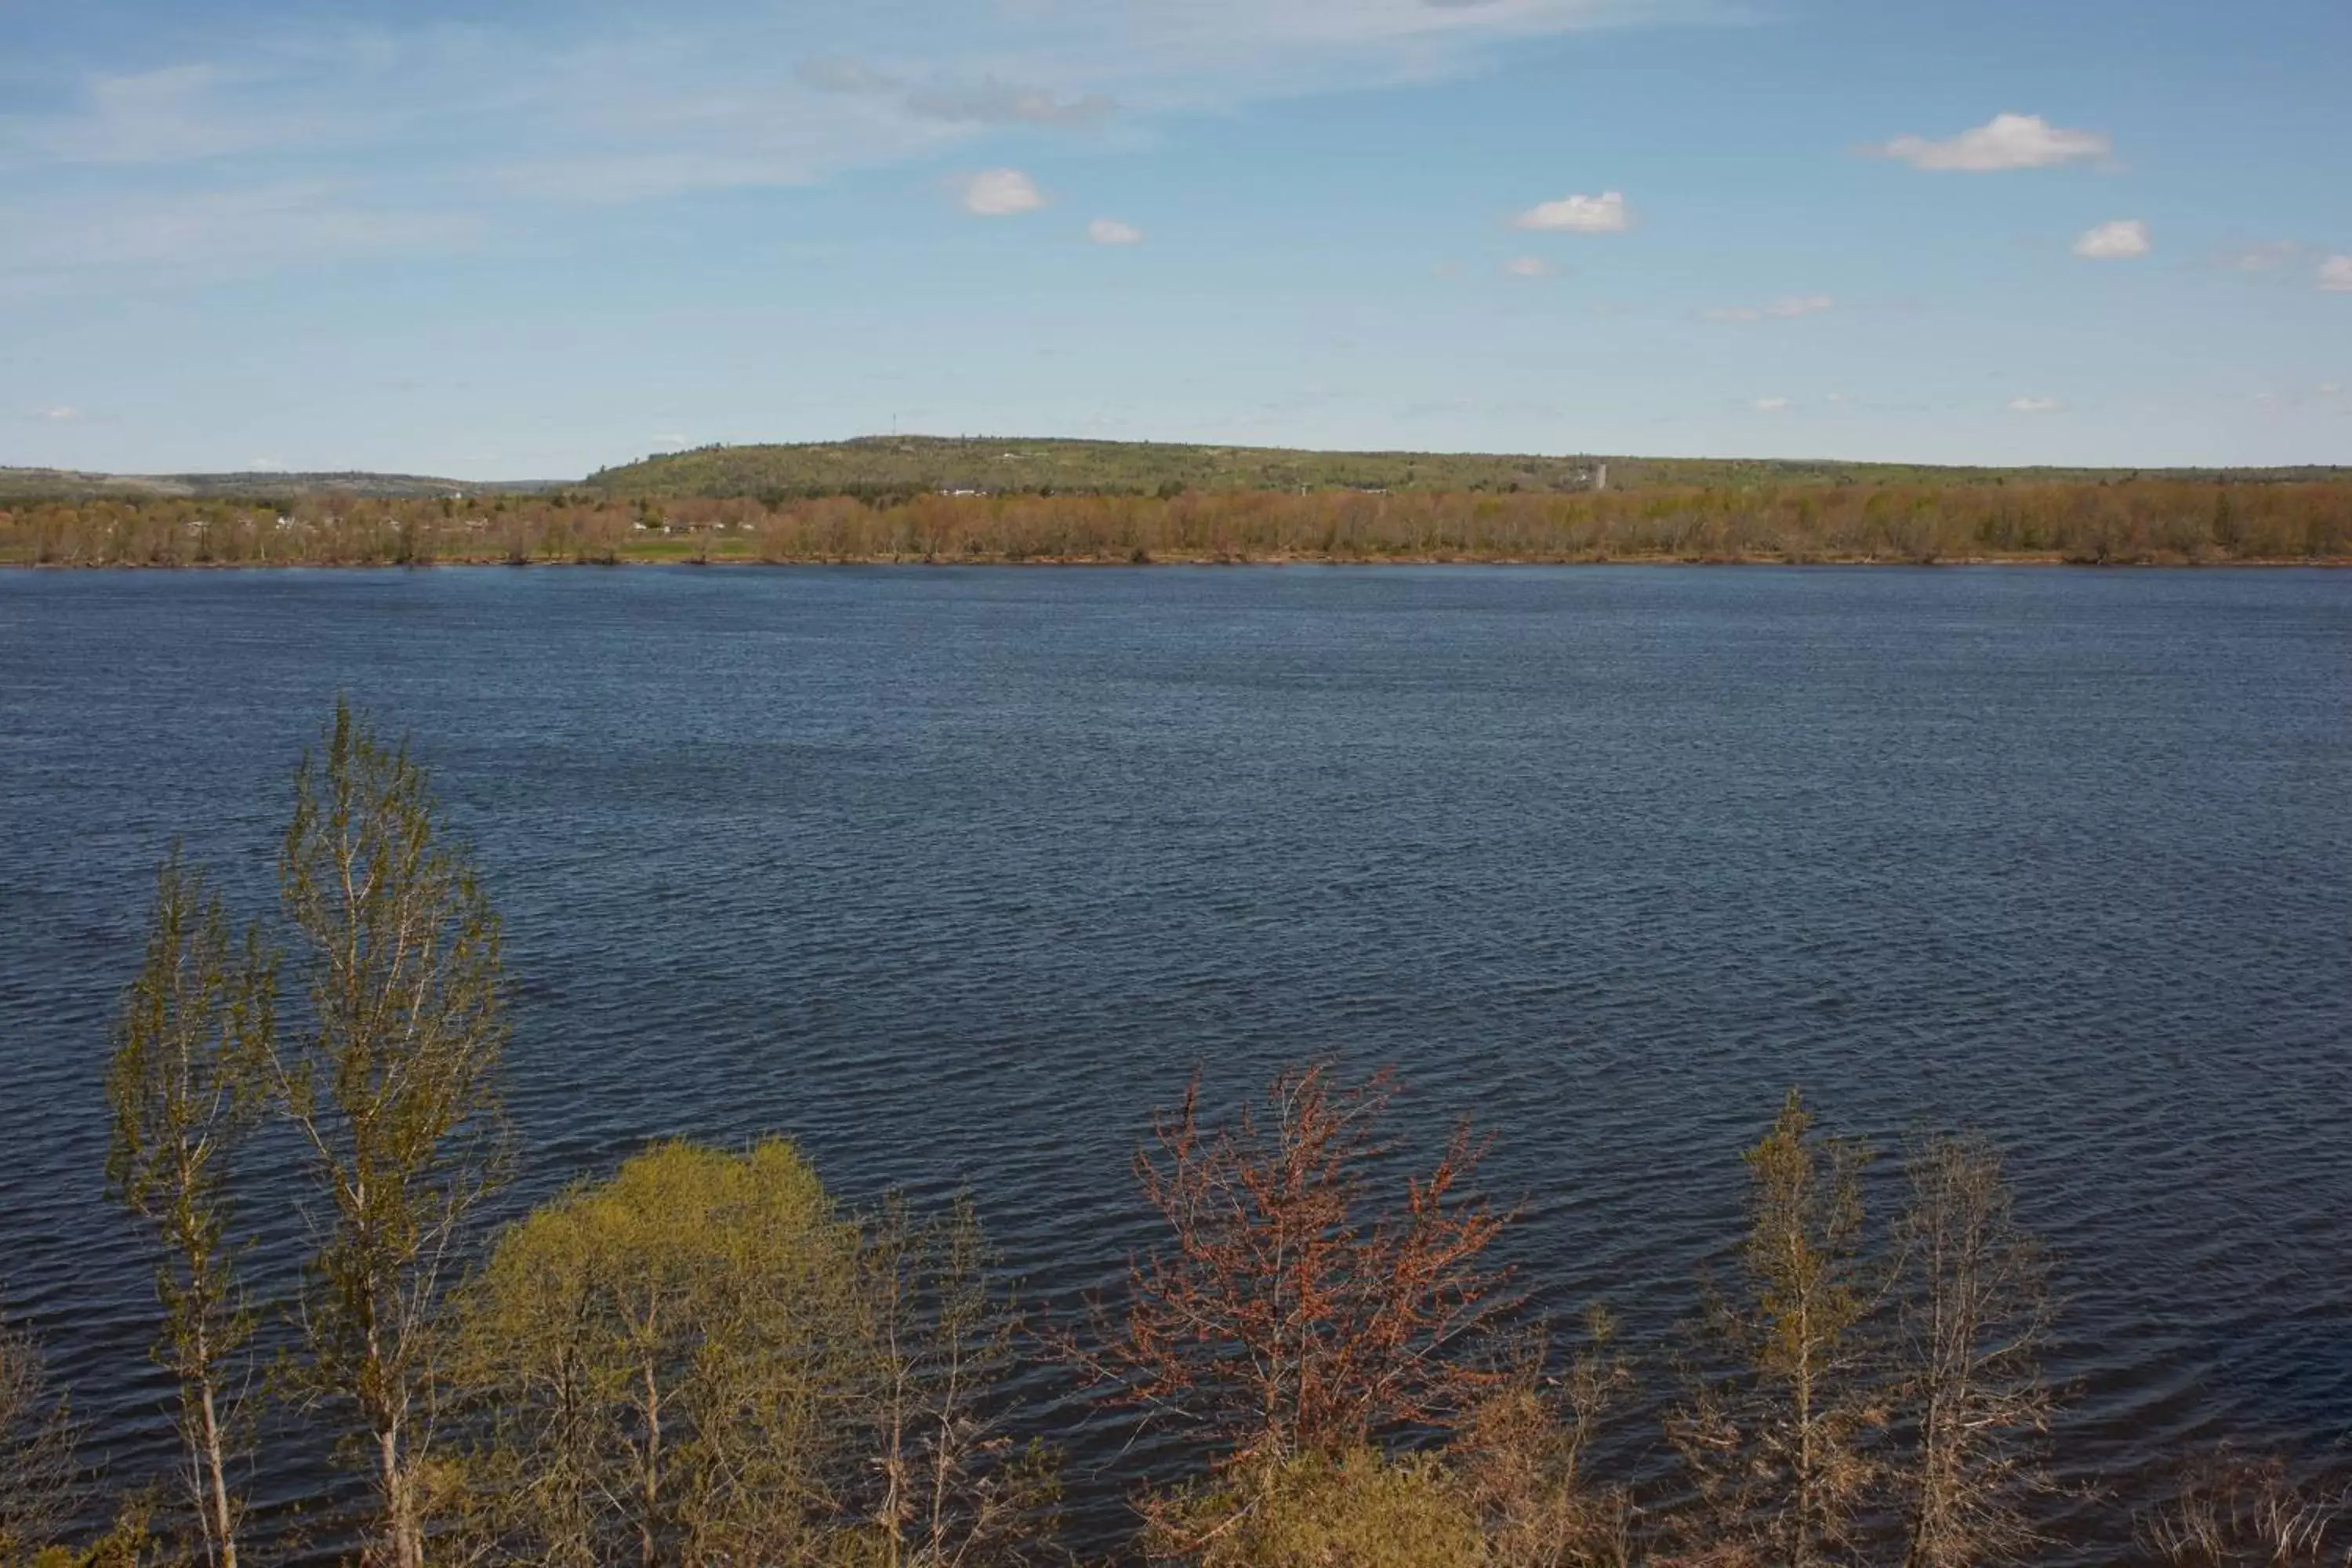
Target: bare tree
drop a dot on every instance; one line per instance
(1975, 1311)
(2233, 1510)
(38, 1491)
(185, 1088)
(957, 1491)
(393, 1083)
(1780, 1450)
(1522, 1462)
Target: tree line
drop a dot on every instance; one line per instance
(2125, 521)
(706, 1359)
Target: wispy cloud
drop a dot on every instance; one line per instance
(1110, 231)
(2335, 275)
(2268, 257)
(1527, 267)
(2005, 142)
(1603, 214)
(1771, 405)
(178, 114)
(63, 414)
(999, 193)
(201, 234)
(2034, 406)
(2116, 241)
(1789, 308)
(485, 124)
(1002, 104)
(839, 73)
(989, 100)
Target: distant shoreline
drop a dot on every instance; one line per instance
(1080, 563)
(2150, 522)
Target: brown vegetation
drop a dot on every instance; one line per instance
(1293, 1312)
(2127, 521)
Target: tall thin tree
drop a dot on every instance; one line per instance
(1781, 1450)
(184, 1086)
(394, 1081)
(1975, 1311)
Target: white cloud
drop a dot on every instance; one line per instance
(2329, 389)
(2006, 141)
(999, 193)
(1786, 309)
(2335, 275)
(266, 466)
(2114, 241)
(1110, 231)
(1527, 267)
(2034, 406)
(63, 414)
(1603, 214)
(1770, 405)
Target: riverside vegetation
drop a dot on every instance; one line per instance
(706, 1359)
(2130, 521)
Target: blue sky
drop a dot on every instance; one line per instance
(524, 239)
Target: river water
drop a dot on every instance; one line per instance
(953, 874)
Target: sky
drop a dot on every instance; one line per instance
(531, 238)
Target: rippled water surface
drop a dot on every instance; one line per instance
(952, 874)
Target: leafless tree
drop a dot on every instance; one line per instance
(2235, 1510)
(38, 1491)
(1975, 1311)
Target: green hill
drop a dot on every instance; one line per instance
(884, 467)
(880, 466)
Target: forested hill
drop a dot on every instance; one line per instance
(891, 466)
(885, 468)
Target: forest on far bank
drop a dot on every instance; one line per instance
(2111, 521)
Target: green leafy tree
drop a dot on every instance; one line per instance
(665, 1367)
(185, 1088)
(393, 1083)
(1349, 1508)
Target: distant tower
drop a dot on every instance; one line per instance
(1601, 477)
